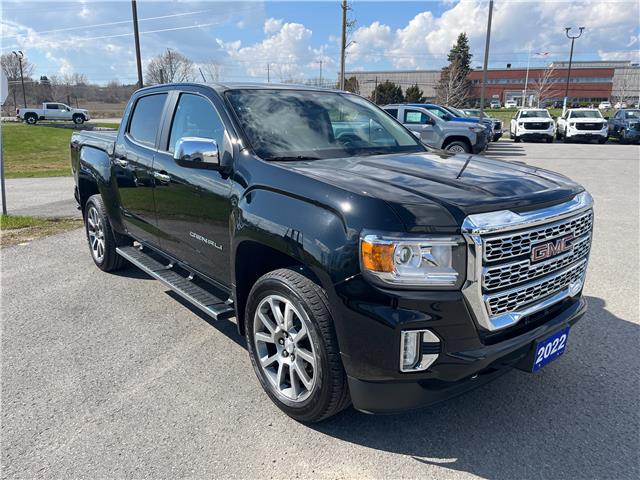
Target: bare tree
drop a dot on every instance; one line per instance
(543, 85)
(169, 67)
(11, 68)
(626, 85)
(454, 86)
(213, 71)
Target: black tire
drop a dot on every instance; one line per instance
(622, 135)
(550, 139)
(516, 139)
(497, 137)
(458, 146)
(602, 140)
(330, 393)
(566, 139)
(78, 119)
(110, 261)
(558, 136)
(31, 119)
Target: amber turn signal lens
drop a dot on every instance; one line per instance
(377, 257)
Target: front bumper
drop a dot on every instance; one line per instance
(482, 142)
(586, 134)
(456, 372)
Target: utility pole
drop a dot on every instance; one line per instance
(375, 92)
(19, 55)
(268, 73)
(320, 80)
(343, 46)
(573, 39)
(486, 60)
(136, 36)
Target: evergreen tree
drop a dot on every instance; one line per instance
(413, 94)
(454, 87)
(387, 92)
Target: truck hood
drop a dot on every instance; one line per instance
(587, 120)
(431, 190)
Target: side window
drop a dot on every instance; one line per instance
(415, 117)
(51, 106)
(392, 111)
(438, 112)
(195, 116)
(145, 120)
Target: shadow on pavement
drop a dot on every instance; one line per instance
(577, 418)
(505, 149)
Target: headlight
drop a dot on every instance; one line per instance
(477, 128)
(521, 124)
(413, 262)
(572, 125)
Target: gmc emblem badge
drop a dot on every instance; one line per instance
(551, 249)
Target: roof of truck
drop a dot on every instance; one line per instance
(223, 86)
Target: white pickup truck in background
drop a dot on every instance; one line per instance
(53, 111)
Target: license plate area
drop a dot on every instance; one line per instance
(547, 350)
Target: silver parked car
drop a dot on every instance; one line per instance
(453, 136)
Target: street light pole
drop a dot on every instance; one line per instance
(486, 60)
(573, 39)
(19, 55)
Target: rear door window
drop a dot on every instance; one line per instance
(52, 106)
(145, 120)
(392, 111)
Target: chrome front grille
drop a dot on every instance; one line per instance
(516, 244)
(515, 299)
(505, 284)
(509, 274)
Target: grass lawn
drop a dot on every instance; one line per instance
(35, 151)
(115, 126)
(16, 229)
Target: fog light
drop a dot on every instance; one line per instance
(418, 350)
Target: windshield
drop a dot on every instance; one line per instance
(472, 112)
(309, 125)
(586, 114)
(534, 114)
(457, 113)
(635, 114)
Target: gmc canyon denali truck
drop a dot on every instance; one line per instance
(361, 266)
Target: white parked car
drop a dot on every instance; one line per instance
(510, 104)
(620, 105)
(582, 124)
(604, 106)
(532, 123)
(53, 111)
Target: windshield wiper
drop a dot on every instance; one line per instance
(292, 158)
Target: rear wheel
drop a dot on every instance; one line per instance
(458, 146)
(102, 241)
(31, 119)
(293, 347)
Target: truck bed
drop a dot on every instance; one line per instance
(103, 140)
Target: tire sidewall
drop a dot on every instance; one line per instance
(461, 144)
(321, 389)
(91, 203)
(78, 119)
(31, 120)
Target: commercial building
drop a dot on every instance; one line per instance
(590, 82)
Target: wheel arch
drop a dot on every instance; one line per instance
(457, 138)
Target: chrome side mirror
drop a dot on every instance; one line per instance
(196, 152)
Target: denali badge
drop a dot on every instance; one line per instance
(205, 240)
(551, 249)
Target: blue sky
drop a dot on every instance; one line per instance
(236, 40)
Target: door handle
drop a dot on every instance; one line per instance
(121, 161)
(162, 177)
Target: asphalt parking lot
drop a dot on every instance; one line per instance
(110, 376)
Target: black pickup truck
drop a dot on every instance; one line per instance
(361, 266)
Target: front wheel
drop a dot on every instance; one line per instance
(293, 346)
(602, 140)
(516, 139)
(458, 147)
(78, 119)
(550, 139)
(102, 241)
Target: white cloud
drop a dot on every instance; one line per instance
(287, 50)
(425, 41)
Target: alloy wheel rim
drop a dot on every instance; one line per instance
(285, 352)
(95, 229)
(456, 149)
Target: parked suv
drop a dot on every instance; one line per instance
(456, 137)
(496, 124)
(359, 265)
(532, 123)
(583, 124)
(625, 125)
